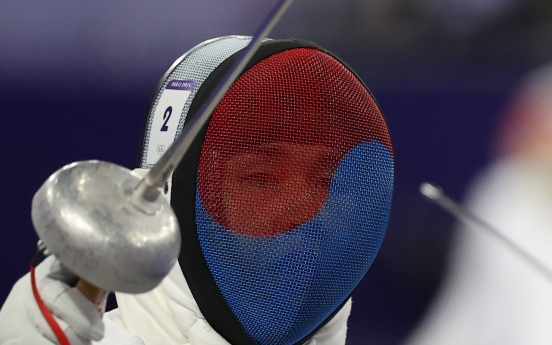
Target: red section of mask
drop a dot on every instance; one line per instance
(276, 138)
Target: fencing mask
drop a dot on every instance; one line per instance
(284, 197)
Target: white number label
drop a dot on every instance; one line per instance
(166, 117)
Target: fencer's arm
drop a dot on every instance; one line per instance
(21, 321)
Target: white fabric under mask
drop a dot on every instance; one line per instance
(168, 314)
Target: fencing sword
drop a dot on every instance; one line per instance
(437, 196)
(113, 228)
(150, 186)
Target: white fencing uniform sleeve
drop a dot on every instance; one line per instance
(21, 321)
(115, 331)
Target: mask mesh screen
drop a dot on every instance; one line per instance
(294, 190)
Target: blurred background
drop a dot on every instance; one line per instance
(76, 78)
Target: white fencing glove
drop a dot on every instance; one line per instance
(21, 321)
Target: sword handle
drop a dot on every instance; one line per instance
(94, 294)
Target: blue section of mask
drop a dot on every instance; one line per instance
(283, 287)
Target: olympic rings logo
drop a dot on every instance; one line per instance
(160, 149)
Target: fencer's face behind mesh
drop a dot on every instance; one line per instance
(293, 193)
(276, 187)
(283, 198)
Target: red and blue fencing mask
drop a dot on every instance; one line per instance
(284, 197)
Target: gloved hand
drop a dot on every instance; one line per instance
(21, 321)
